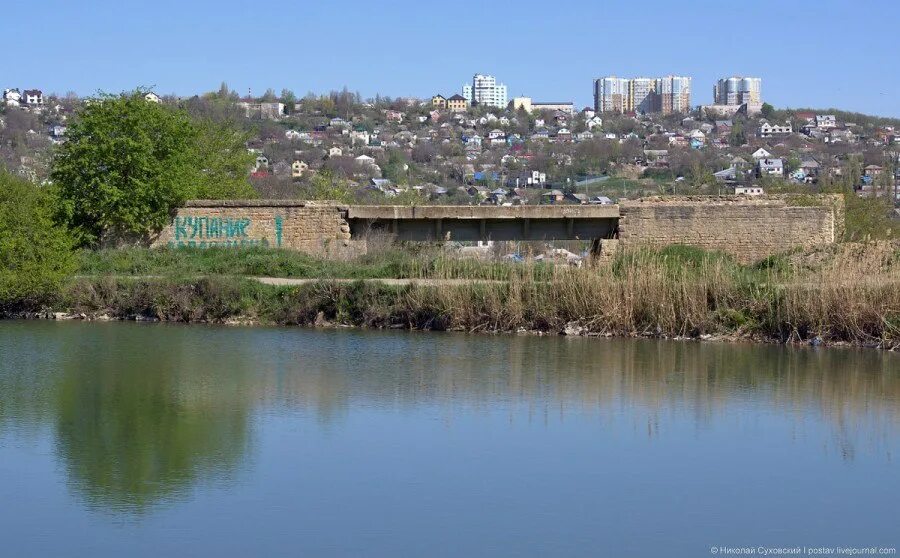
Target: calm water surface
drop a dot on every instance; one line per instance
(155, 440)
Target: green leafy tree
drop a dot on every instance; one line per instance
(35, 253)
(222, 162)
(126, 164)
(737, 137)
(767, 110)
(325, 186)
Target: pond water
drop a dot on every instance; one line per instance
(124, 439)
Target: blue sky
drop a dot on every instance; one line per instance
(819, 53)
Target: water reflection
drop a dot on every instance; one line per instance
(140, 414)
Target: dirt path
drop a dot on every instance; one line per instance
(286, 281)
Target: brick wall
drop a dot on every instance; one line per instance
(748, 228)
(314, 227)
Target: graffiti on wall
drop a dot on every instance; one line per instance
(227, 232)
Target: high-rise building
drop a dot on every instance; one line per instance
(484, 90)
(642, 95)
(611, 94)
(738, 90)
(674, 94)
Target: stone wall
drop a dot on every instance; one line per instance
(749, 228)
(314, 227)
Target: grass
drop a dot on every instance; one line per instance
(851, 294)
(412, 261)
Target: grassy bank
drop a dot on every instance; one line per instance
(415, 260)
(844, 293)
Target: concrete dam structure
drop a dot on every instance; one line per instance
(750, 228)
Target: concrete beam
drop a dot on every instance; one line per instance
(385, 212)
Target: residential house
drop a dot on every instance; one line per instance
(552, 197)
(335, 151)
(676, 140)
(457, 103)
(152, 97)
(439, 102)
(268, 110)
(365, 161)
(748, 191)
(262, 162)
(360, 136)
(697, 139)
(601, 200)
(836, 135)
(497, 137)
(507, 159)
(825, 121)
(724, 127)
(530, 178)
(770, 167)
(738, 162)
(767, 130)
(380, 184)
(810, 167)
(658, 158)
(761, 154)
(593, 122)
(727, 176)
(497, 196)
(581, 199)
(12, 97)
(872, 171)
(394, 116)
(33, 97)
(298, 168)
(473, 141)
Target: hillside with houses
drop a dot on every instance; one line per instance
(450, 149)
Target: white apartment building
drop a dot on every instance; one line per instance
(484, 90)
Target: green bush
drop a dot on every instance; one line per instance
(35, 253)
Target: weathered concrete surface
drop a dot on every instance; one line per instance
(749, 228)
(314, 227)
(469, 223)
(388, 212)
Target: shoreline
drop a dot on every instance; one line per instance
(571, 329)
(841, 295)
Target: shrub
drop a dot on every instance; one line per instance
(35, 253)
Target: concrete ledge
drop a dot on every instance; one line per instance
(263, 203)
(389, 212)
